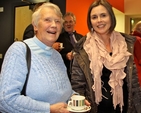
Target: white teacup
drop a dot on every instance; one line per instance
(61, 46)
(77, 102)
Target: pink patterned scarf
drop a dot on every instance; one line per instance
(99, 56)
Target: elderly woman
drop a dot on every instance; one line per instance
(103, 69)
(48, 88)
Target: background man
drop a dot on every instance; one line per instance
(69, 37)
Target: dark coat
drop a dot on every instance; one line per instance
(82, 79)
(68, 47)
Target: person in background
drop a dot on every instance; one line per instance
(48, 88)
(69, 37)
(103, 69)
(137, 48)
(137, 29)
(29, 30)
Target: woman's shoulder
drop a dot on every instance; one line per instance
(17, 47)
(17, 44)
(128, 38)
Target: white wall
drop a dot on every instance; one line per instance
(132, 9)
(120, 19)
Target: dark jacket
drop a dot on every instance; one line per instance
(82, 79)
(29, 32)
(68, 47)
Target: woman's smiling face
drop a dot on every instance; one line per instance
(100, 20)
(49, 26)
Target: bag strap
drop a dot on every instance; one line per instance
(28, 60)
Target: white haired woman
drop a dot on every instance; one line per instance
(48, 88)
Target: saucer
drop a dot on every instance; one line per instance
(87, 108)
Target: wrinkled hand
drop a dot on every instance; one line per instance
(69, 56)
(59, 108)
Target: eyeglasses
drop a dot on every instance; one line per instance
(50, 20)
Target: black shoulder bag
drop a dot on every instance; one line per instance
(28, 60)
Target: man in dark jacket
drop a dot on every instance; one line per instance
(69, 37)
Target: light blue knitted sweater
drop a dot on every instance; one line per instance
(48, 81)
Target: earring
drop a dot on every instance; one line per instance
(92, 30)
